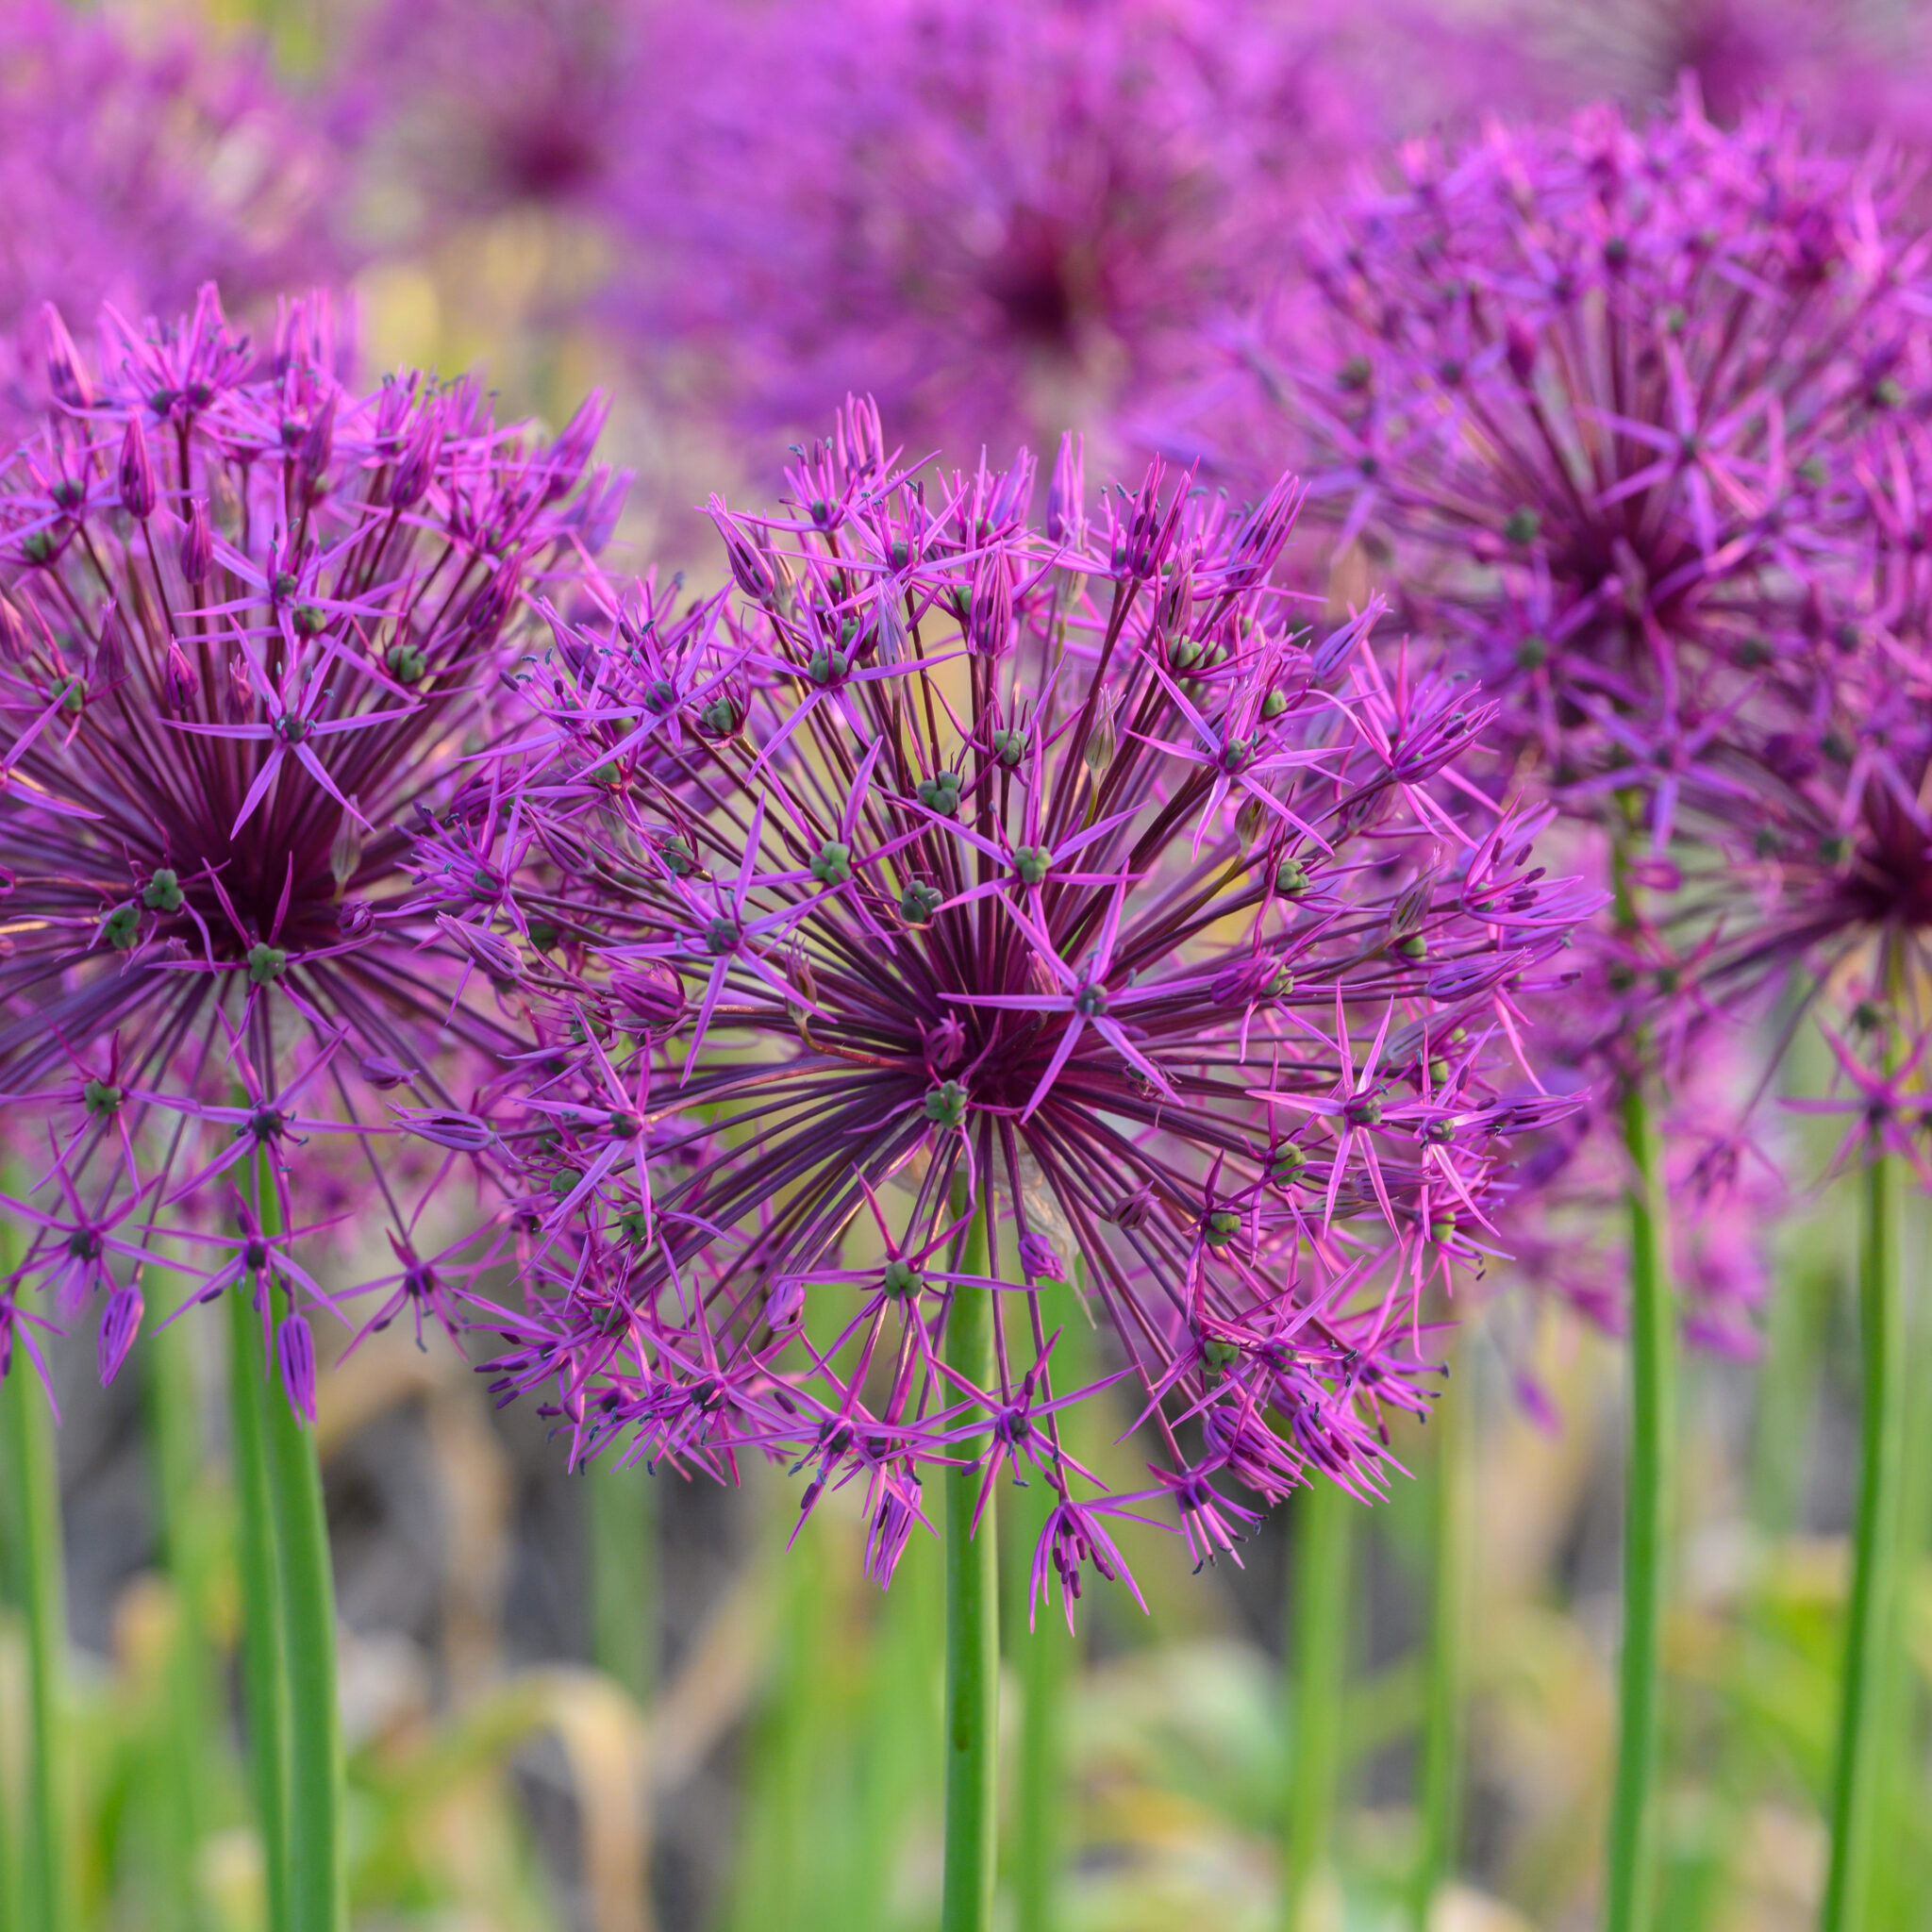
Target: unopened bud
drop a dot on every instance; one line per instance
(16, 641)
(345, 850)
(990, 614)
(177, 679)
(649, 996)
(296, 1356)
(1066, 498)
(418, 462)
(66, 372)
(319, 444)
(138, 491)
(1103, 737)
(197, 543)
(120, 1325)
(110, 654)
(1520, 349)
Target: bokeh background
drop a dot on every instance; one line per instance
(612, 1701)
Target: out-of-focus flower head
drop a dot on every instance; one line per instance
(134, 173)
(1856, 66)
(252, 631)
(1599, 397)
(512, 103)
(1808, 869)
(943, 872)
(1563, 1231)
(1003, 218)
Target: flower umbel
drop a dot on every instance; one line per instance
(1070, 885)
(253, 624)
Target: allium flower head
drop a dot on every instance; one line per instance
(516, 102)
(252, 626)
(135, 175)
(1808, 863)
(1856, 65)
(1599, 395)
(943, 871)
(1002, 218)
(1562, 1228)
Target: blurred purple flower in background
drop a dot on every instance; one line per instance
(1852, 66)
(134, 173)
(512, 102)
(1595, 396)
(1629, 418)
(1003, 219)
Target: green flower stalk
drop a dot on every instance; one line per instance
(33, 1478)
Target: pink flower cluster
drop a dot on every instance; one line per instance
(1000, 220)
(960, 902)
(251, 625)
(1637, 419)
(135, 175)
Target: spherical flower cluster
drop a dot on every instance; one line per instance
(480, 108)
(999, 217)
(955, 905)
(1856, 65)
(134, 176)
(1807, 870)
(1723, 1168)
(1602, 396)
(252, 629)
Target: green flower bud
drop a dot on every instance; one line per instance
(918, 903)
(1285, 1163)
(1032, 863)
(266, 963)
(945, 1105)
(405, 663)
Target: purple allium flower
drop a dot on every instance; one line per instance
(253, 625)
(1073, 884)
(133, 174)
(1598, 395)
(1857, 66)
(1809, 870)
(515, 101)
(1561, 1228)
(1001, 216)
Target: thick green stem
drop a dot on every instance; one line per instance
(9, 1856)
(1317, 1647)
(1651, 1467)
(621, 1514)
(316, 1888)
(1049, 1654)
(972, 1631)
(264, 1676)
(46, 1894)
(1444, 1689)
(1871, 1619)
